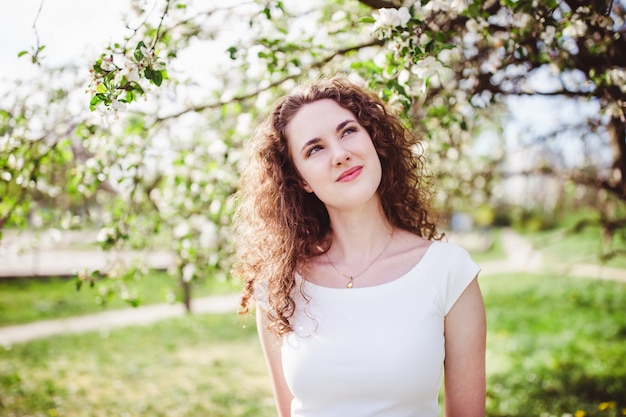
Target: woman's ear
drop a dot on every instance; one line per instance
(306, 187)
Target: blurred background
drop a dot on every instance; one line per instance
(123, 125)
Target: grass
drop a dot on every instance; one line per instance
(28, 299)
(194, 366)
(556, 347)
(585, 246)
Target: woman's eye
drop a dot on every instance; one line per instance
(348, 131)
(313, 150)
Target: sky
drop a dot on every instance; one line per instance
(70, 30)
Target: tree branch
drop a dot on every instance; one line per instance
(256, 92)
(576, 177)
(158, 30)
(381, 4)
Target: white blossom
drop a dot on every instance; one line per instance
(431, 70)
(447, 56)
(618, 77)
(427, 67)
(576, 29)
(107, 64)
(208, 235)
(244, 122)
(387, 19)
(548, 34)
(181, 230)
(403, 77)
(613, 110)
(475, 26)
(356, 79)
(130, 71)
(457, 6)
(339, 15)
(148, 55)
(189, 271)
(105, 234)
(380, 60)
(521, 21)
(117, 105)
(217, 149)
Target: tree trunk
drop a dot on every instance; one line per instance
(617, 134)
(186, 292)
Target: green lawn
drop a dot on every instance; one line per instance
(28, 299)
(556, 347)
(194, 366)
(585, 246)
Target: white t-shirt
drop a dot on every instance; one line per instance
(375, 351)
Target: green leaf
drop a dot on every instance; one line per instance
(158, 78)
(367, 19)
(95, 100)
(138, 54)
(473, 10)
(130, 96)
(21, 53)
(232, 51)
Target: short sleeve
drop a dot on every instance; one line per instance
(461, 272)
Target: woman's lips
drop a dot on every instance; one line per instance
(350, 174)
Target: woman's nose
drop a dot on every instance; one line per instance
(340, 155)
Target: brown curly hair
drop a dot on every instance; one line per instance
(280, 226)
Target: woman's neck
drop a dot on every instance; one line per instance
(358, 234)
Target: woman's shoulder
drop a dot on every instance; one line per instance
(446, 247)
(416, 247)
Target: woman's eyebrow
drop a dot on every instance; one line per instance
(337, 129)
(343, 124)
(310, 142)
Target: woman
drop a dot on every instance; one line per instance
(359, 303)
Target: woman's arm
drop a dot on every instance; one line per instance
(271, 344)
(465, 332)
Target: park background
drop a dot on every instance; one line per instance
(120, 141)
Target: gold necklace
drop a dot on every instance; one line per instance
(351, 277)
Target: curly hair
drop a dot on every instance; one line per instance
(280, 226)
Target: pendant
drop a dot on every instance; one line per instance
(350, 283)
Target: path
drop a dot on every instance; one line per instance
(115, 318)
(521, 257)
(64, 254)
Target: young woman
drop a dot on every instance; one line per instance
(361, 309)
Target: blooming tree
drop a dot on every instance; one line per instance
(147, 141)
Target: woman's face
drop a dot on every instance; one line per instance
(334, 155)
